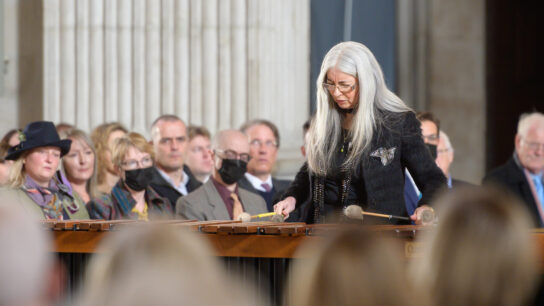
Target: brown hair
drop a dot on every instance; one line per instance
(193, 131)
(351, 267)
(429, 116)
(100, 137)
(481, 252)
(123, 144)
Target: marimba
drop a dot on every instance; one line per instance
(265, 247)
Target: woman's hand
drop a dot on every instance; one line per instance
(285, 207)
(417, 216)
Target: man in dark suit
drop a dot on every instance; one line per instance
(169, 139)
(523, 172)
(264, 141)
(220, 198)
(444, 158)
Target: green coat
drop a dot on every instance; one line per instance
(20, 197)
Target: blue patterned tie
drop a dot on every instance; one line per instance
(537, 180)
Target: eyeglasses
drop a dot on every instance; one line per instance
(534, 145)
(230, 154)
(433, 138)
(343, 88)
(269, 143)
(132, 164)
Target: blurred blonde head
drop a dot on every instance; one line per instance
(154, 264)
(481, 252)
(351, 267)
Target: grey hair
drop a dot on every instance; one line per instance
(446, 140)
(373, 96)
(526, 120)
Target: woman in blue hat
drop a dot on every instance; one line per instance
(34, 178)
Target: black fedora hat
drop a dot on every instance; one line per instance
(39, 134)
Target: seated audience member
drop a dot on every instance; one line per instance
(523, 172)
(220, 198)
(444, 159)
(198, 155)
(264, 141)
(430, 127)
(63, 128)
(132, 197)
(481, 252)
(350, 267)
(5, 165)
(11, 138)
(29, 274)
(103, 137)
(34, 177)
(158, 265)
(80, 166)
(169, 138)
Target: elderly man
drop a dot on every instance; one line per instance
(198, 158)
(169, 139)
(264, 141)
(444, 159)
(523, 172)
(220, 198)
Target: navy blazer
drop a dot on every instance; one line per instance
(278, 187)
(511, 176)
(384, 185)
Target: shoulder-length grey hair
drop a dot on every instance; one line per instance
(354, 59)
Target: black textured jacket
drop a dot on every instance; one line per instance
(511, 176)
(166, 190)
(384, 184)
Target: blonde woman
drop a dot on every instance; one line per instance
(103, 138)
(80, 165)
(34, 177)
(360, 142)
(481, 253)
(131, 197)
(351, 267)
(159, 265)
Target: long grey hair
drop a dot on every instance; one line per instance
(355, 59)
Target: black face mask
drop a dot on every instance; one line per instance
(232, 170)
(433, 149)
(138, 179)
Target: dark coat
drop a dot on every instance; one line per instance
(119, 204)
(278, 187)
(511, 176)
(384, 185)
(166, 190)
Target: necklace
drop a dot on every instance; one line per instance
(345, 136)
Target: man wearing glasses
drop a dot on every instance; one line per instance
(220, 198)
(264, 141)
(523, 172)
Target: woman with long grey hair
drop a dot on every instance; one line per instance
(361, 140)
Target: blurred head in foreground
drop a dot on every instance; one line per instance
(28, 270)
(158, 265)
(481, 252)
(352, 267)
